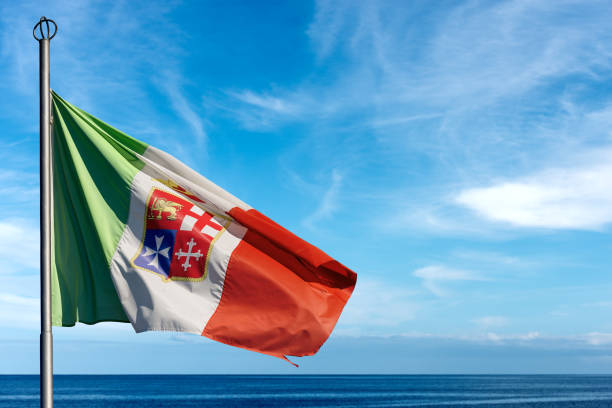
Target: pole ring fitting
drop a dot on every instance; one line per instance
(44, 30)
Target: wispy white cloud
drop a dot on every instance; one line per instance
(21, 186)
(603, 304)
(435, 276)
(520, 55)
(562, 198)
(597, 338)
(489, 337)
(435, 217)
(325, 29)
(488, 258)
(19, 245)
(16, 29)
(491, 321)
(266, 102)
(329, 201)
(385, 51)
(531, 338)
(401, 120)
(183, 108)
(262, 111)
(378, 307)
(9, 298)
(19, 311)
(396, 74)
(504, 338)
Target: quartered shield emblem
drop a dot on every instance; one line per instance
(178, 237)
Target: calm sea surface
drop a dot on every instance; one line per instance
(312, 391)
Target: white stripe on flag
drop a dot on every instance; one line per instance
(149, 301)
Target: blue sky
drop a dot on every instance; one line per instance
(456, 155)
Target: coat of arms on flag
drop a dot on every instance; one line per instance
(160, 246)
(178, 237)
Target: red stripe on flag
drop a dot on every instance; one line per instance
(282, 295)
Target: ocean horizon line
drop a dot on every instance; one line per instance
(327, 374)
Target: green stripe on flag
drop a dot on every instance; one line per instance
(93, 168)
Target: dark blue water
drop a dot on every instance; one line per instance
(312, 391)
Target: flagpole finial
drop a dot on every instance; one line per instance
(44, 30)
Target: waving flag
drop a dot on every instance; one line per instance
(140, 237)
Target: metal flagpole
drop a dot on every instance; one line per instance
(43, 32)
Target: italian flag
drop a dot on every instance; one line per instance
(140, 237)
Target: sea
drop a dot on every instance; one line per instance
(150, 391)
